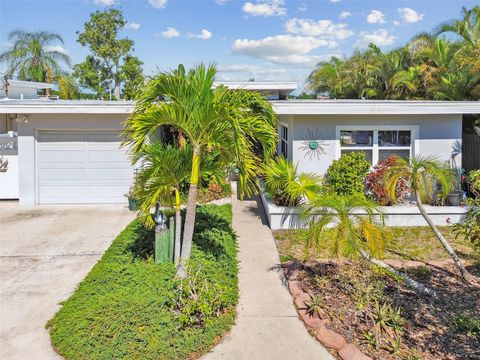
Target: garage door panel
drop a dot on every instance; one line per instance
(82, 167)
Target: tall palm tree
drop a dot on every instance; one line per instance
(354, 226)
(422, 174)
(235, 123)
(163, 168)
(408, 84)
(32, 55)
(467, 28)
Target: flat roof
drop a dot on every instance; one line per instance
(281, 107)
(29, 84)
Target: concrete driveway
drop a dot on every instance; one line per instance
(45, 251)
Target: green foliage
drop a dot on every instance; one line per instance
(470, 228)
(130, 308)
(353, 223)
(315, 305)
(68, 88)
(32, 56)
(421, 272)
(110, 62)
(474, 178)
(427, 67)
(468, 324)
(346, 176)
(286, 186)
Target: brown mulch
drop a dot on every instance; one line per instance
(351, 290)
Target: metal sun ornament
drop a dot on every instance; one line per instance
(313, 147)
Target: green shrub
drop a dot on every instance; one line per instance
(467, 324)
(128, 307)
(346, 176)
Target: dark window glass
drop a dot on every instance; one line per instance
(394, 138)
(356, 138)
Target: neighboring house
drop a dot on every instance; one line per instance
(69, 151)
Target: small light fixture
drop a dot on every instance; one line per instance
(26, 119)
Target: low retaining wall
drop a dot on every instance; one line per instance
(283, 217)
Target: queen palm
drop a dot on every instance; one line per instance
(354, 226)
(234, 123)
(423, 174)
(467, 28)
(33, 56)
(163, 168)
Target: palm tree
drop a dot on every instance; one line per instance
(32, 55)
(408, 83)
(423, 174)
(288, 187)
(235, 123)
(163, 169)
(467, 28)
(354, 226)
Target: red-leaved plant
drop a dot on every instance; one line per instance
(375, 184)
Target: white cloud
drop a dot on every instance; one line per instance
(158, 4)
(265, 8)
(132, 26)
(410, 15)
(302, 7)
(325, 28)
(283, 49)
(104, 2)
(221, 2)
(204, 35)
(345, 14)
(380, 37)
(169, 33)
(58, 48)
(396, 22)
(251, 69)
(335, 1)
(376, 17)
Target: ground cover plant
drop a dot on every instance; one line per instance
(128, 307)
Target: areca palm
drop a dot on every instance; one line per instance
(354, 226)
(422, 174)
(32, 55)
(162, 170)
(467, 28)
(230, 122)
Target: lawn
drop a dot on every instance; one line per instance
(378, 312)
(130, 308)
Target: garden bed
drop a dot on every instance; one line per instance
(130, 308)
(352, 295)
(285, 217)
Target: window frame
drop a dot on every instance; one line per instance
(282, 140)
(375, 148)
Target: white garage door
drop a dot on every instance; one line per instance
(82, 167)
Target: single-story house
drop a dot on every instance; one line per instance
(63, 151)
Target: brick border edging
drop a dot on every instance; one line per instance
(324, 335)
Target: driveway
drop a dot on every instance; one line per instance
(45, 251)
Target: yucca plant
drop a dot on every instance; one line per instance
(423, 174)
(286, 186)
(354, 226)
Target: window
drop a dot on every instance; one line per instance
(377, 144)
(284, 140)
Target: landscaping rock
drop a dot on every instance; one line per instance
(351, 352)
(311, 322)
(295, 288)
(301, 299)
(330, 338)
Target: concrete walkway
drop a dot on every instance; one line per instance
(267, 326)
(45, 251)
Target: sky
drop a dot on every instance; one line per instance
(268, 40)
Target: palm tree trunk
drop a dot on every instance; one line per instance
(178, 227)
(415, 285)
(190, 214)
(465, 274)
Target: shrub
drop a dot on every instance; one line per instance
(346, 176)
(375, 183)
(468, 324)
(470, 228)
(128, 307)
(474, 178)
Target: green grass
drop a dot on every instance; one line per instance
(407, 243)
(130, 308)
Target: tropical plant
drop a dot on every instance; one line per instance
(286, 186)
(354, 226)
(468, 27)
(233, 123)
(163, 168)
(68, 88)
(33, 55)
(423, 174)
(346, 176)
(474, 179)
(375, 184)
(470, 228)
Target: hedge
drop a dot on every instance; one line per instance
(130, 308)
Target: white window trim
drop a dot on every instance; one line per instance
(281, 140)
(375, 148)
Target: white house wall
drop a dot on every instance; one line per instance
(27, 142)
(437, 135)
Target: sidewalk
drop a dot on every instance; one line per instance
(267, 326)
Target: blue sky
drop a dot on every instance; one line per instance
(264, 39)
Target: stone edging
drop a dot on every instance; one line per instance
(326, 336)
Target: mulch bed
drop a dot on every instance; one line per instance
(352, 291)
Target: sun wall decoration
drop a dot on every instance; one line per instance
(312, 146)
